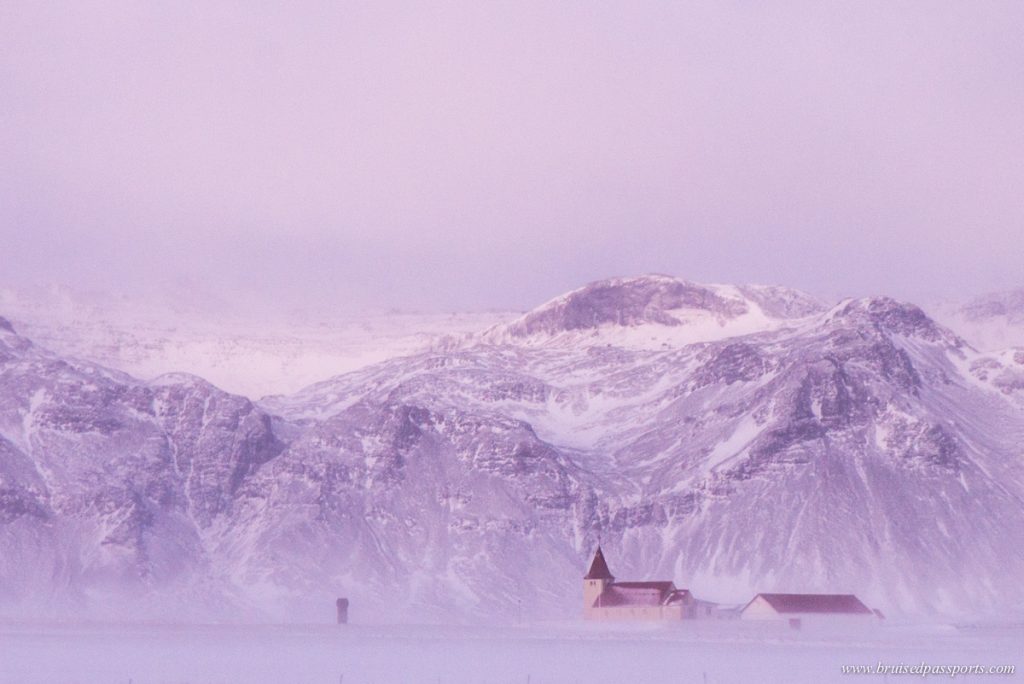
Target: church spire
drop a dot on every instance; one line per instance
(599, 568)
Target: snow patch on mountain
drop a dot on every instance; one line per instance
(732, 447)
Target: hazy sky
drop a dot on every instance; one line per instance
(469, 155)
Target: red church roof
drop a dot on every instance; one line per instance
(599, 568)
(641, 594)
(655, 585)
(814, 603)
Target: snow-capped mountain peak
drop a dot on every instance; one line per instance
(886, 313)
(652, 312)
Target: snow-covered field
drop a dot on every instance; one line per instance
(717, 652)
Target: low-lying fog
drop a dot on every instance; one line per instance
(713, 652)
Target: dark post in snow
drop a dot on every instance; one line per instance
(342, 604)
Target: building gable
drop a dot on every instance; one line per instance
(824, 604)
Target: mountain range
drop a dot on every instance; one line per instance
(731, 438)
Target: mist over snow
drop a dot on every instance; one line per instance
(526, 654)
(247, 351)
(991, 322)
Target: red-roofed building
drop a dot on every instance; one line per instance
(606, 599)
(793, 606)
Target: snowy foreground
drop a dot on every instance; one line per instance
(588, 654)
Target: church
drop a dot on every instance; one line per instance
(606, 599)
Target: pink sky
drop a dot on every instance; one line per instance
(469, 155)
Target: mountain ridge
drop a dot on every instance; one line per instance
(857, 448)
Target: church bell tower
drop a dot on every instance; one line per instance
(595, 582)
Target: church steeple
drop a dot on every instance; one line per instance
(599, 568)
(595, 583)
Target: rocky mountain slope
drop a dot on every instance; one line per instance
(734, 439)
